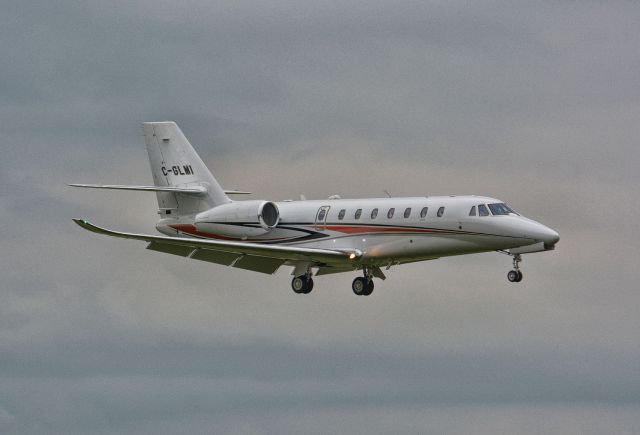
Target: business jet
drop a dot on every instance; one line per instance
(198, 220)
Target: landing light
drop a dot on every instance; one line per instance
(352, 256)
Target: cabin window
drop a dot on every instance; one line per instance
(374, 213)
(321, 215)
(341, 214)
(358, 213)
(407, 212)
(423, 212)
(483, 210)
(473, 211)
(440, 211)
(390, 213)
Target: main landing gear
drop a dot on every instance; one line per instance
(302, 284)
(515, 275)
(363, 285)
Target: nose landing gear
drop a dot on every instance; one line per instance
(515, 275)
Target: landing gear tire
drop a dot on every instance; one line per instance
(362, 286)
(302, 284)
(514, 276)
(297, 284)
(359, 286)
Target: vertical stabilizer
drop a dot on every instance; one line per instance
(174, 163)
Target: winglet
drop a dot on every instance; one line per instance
(87, 225)
(80, 222)
(99, 230)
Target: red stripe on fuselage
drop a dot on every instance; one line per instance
(191, 229)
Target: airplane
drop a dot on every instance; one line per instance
(198, 220)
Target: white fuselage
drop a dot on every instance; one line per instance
(406, 235)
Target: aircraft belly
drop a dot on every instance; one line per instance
(405, 247)
(418, 247)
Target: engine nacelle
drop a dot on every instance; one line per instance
(240, 219)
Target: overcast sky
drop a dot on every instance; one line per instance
(536, 103)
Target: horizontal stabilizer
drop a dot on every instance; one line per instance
(195, 190)
(237, 192)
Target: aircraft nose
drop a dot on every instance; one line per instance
(537, 231)
(550, 237)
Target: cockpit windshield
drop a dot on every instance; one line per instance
(501, 209)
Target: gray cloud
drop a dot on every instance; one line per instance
(534, 104)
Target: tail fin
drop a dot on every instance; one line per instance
(174, 163)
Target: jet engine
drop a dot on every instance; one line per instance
(240, 219)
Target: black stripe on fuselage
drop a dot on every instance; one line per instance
(310, 235)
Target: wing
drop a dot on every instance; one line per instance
(250, 256)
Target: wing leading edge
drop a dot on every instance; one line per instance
(250, 256)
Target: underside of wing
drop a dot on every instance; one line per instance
(249, 256)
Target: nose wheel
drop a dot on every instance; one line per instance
(515, 275)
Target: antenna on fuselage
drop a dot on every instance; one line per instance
(387, 192)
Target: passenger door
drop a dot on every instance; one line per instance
(321, 217)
